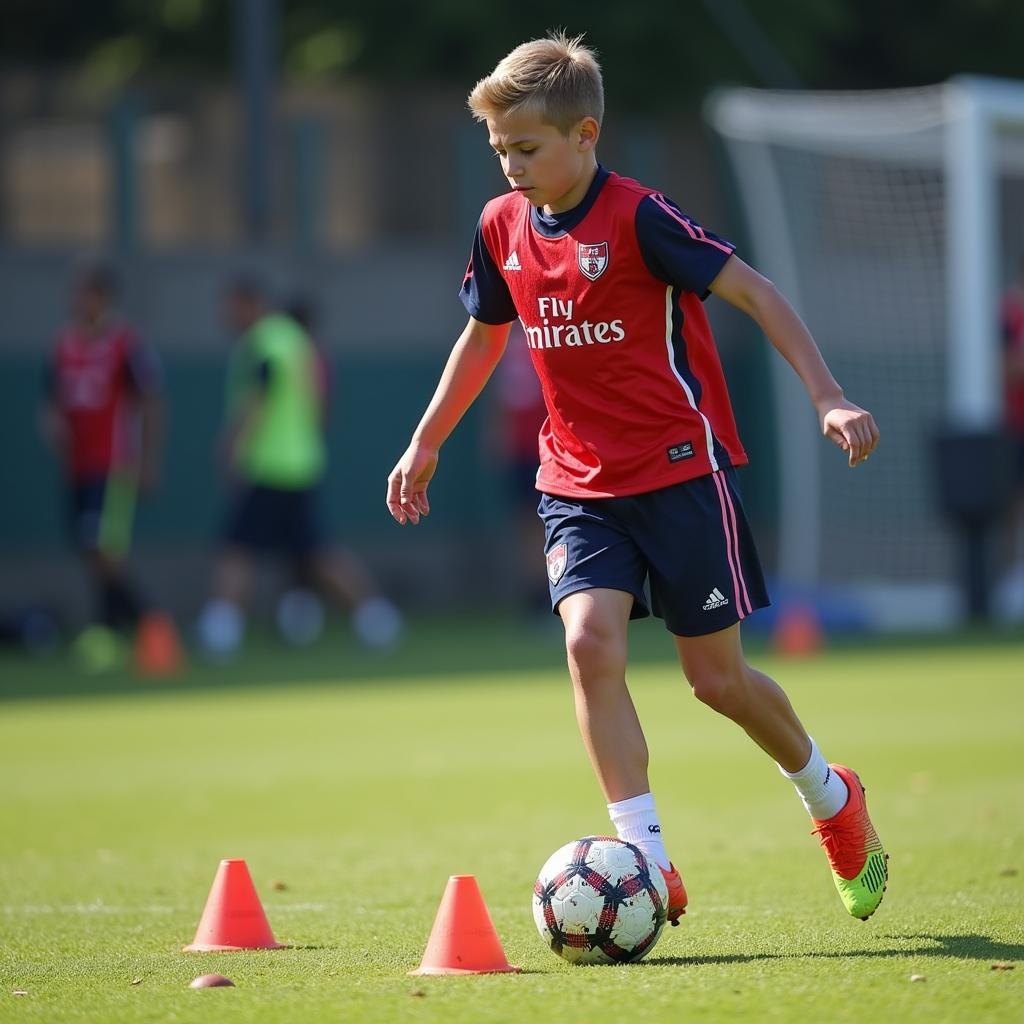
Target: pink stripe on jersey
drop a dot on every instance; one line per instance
(694, 230)
(736, 545)
(728, 546)
(661, 201)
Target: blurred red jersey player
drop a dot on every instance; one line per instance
(1012, 322)
(103, 417)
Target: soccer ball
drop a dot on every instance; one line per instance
(600, 901)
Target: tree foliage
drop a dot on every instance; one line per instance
(655, 52)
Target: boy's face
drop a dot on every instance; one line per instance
(552, 170)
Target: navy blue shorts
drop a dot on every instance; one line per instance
(274, 519)
(690, 544)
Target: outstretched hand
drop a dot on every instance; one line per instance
(850, 427)
(407, 484)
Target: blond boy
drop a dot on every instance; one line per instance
(638, 453)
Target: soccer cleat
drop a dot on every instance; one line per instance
(676, 895)
(854, 851)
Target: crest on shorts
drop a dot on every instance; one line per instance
(592, 259)
(558, 558)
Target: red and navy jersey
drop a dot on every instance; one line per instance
(95, 382)
(610, 295)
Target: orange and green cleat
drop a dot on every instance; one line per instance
(854, 851)
(676, 895)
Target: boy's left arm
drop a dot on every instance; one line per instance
(849, 426)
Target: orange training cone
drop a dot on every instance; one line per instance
(798, 632)
(463, 939)
(157, 648)
(233, 917)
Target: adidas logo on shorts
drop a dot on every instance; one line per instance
(716, 599)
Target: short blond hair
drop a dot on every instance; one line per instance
(557, 77)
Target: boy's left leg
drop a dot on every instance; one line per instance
(721, 678)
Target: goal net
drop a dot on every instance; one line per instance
(890, 220)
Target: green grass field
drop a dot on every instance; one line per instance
(362, 784)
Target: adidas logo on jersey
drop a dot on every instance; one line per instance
(716, 599)
(512, 263)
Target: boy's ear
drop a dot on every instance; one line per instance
(587, 132)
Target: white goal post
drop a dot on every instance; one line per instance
(889, 219)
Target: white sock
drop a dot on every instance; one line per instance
(823, 792)
(221, 628)
(636, 822)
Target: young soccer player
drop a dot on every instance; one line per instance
(103, 417)
(638, 453)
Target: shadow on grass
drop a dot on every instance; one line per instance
(958, 947)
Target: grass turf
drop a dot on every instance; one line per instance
(362, 784)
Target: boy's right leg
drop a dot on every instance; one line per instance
(596, 623)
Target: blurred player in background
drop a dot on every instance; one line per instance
(103, 417)
(274, 452)
(637, 479)
(1011, 588)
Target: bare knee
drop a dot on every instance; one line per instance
(721, 688)
(594, 649)
(596, 624)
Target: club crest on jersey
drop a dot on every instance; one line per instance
(558, 558)
(592, 259)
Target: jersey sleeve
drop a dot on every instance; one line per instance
(676, 249)
(484, 292)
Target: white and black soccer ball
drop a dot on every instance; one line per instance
(599, 900)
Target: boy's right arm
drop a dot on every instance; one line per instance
(470, 364)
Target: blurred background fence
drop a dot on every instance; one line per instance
(372, 200)
(329, 148)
